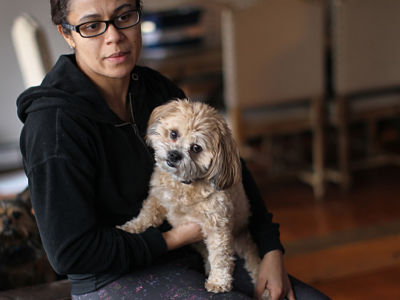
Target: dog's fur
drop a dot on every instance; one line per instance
(197, 179)
(22, 258)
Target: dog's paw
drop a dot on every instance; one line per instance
(266, 295)
(218, 287)
(127, 228)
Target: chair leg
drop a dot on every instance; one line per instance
(236, 124)
(372, 135)
(343, 144)
(318, 148)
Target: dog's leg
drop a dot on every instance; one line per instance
(247, 249)
(202, 249)
(151, 214)
(221, 258)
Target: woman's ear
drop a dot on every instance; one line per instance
(67, 37)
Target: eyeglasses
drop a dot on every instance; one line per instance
(128, 19)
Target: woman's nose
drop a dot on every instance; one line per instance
(113, 34)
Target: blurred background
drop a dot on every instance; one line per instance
(311, 89)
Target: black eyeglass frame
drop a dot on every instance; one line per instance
(107, 22)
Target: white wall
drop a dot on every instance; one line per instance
(11, 83)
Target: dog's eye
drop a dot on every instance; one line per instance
(196, 148)
(16, 214)
(173, 135)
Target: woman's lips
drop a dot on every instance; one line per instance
(118, 57)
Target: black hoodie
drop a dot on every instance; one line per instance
(89, 171)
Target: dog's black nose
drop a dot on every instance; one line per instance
(174, 156)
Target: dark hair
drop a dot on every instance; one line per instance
(59, 11)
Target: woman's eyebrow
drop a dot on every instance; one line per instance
(89, 16)
(95, 15)
(121, 7)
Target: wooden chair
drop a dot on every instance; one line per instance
(366, 76)
(31, 49)
(273, 62)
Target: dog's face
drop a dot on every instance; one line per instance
(193, 142)
(23, 261)
(17, 224)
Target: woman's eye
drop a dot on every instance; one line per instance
(91, 26)
(196, 148)
(125, 17)
(173, 135)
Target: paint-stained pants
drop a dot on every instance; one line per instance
(180, 275)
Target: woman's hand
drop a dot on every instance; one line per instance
(183, 235)
(273, 276)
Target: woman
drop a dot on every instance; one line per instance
(88, 169)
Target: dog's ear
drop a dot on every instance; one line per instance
(25, 198)
(153, 123)
(225, 168)
(156, 115)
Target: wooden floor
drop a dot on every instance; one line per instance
(348, 245)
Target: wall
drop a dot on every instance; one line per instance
(11, 83)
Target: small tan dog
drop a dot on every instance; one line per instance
(197, 179)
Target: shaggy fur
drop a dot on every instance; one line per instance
(197, 179)
(22, 258)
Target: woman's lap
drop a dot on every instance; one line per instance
(180, 275)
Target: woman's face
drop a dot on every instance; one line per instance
(112, 54)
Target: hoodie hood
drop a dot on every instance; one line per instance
(65, 86)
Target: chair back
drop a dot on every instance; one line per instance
(365, 45)
(31, 49)
(273, 52)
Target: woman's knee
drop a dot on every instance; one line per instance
(303, 291)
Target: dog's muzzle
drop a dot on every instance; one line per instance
(8, 232)
(173, 157)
